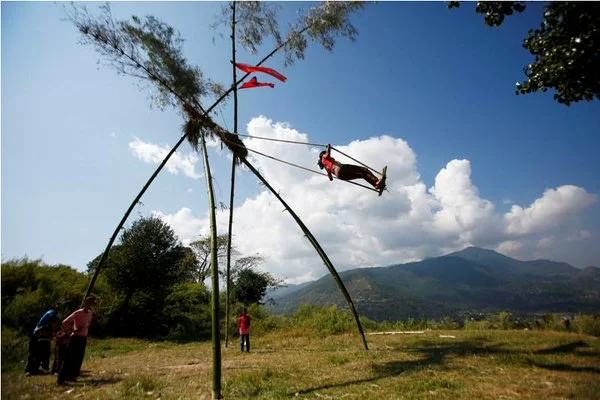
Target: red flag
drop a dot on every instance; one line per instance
(251, 68)
(255, 83)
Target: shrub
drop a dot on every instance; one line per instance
(474, 325)
(586, 324)
(15, 348)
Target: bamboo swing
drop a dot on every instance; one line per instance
(305, 168)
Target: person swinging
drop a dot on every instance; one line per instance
(348, 172)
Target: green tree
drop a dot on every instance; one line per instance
(147, 263)
(29, 287)
(187, 311)
(565, 47)
(249, 283)
(202, 251)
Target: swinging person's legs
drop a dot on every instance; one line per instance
(348, 172)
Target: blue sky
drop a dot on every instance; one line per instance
(425, 90)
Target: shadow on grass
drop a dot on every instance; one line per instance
(563, 348)
(564, 367)
(435, 354)
(93, 381)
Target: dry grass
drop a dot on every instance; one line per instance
(481, 365)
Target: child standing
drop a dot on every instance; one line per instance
(244, 326)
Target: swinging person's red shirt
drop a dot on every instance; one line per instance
(328, 162)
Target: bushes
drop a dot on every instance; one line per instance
(30, 287)
(15, 348)
(187, 313)
(586, 324)
(183, 311)
(324, 320)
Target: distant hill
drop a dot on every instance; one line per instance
(472, 280)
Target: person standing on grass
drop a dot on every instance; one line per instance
(77, 324)
(60, 347)
(244, 326)
(40, 342)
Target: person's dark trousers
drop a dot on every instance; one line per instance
(59, 356)
(33, 360)
(245, 338)
(44, 350)
(71, 366)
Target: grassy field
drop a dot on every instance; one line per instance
(434, 364)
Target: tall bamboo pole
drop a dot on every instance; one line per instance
(235, 129)
(216, 331)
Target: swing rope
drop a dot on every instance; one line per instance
(307, 169)
(311, 144)
(298, 166)
(282, 140)
(354, 159)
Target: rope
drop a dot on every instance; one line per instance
(299, 166)
(307, 169)
(220, 111)
(282, 140)
(354, 159)
(310, 144)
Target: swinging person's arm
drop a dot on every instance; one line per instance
(327, 155)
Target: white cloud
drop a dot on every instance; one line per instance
(554, 208)
(358, 229)
(461, 211)
(510, 247)
(155, 154)
(187, 227)
(546, 241)
(578, 236)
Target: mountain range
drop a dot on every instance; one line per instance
(470, 281)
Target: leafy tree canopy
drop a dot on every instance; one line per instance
(322, 23)
(201, 249)
(29, 287)
(149, 258)
(566, 47)
(250, 284)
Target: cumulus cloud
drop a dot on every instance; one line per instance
(554, 208)
(510, 247)
(187, 226)
(154, 154)
(359, 229)
(461, 211)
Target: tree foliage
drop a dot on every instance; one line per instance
(187, 311)
(255, 21)
(29, 287)
(142, 270)
(566, 48)
(149, 258)
(249, 283)
(322, 23)
(147, 49)
(201, 249)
